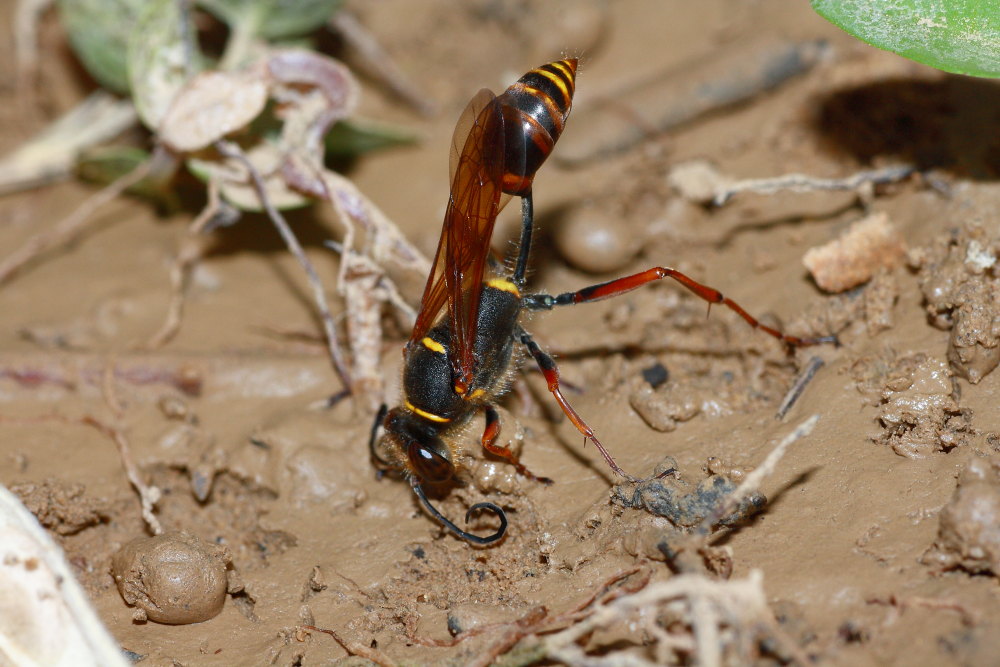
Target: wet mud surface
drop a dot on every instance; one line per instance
(877, 542)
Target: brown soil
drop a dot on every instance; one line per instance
(223, 419)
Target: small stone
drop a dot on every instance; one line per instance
(870, 244)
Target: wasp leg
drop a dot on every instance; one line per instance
(551, 372)
(524, 246)
(629, 283)
(490, 435)
(475, 539)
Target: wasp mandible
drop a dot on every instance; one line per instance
(459, 363)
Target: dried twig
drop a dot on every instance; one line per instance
(804, 183)
(804, 378)
(362, 279)
(754, 479)
(729, 614)
(148, 495)
(355, 648)
(537, 620)
(27, 16)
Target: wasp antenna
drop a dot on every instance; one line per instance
(469, 537)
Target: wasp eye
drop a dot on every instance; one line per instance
(429, 464)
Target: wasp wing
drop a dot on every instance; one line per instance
(477, 167)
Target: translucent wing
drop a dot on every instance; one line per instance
(460, 261)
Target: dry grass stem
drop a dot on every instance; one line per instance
(753, 480)
(805, 183)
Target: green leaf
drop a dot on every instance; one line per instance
(960, 36)
(99, 31)
(159, 61)
(106, 164)
(273, 19)
(357, 135)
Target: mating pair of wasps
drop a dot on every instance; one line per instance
(457, 364)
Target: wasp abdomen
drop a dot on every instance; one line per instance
(534, 112)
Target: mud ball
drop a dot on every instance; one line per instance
(174, 578)
(595, 240)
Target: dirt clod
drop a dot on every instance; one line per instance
(958, 277)
(918, 410)
(174, 578)
(870, 244)
(663, 408)
(969, 533)
(60, 507)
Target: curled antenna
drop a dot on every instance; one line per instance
(475, 539)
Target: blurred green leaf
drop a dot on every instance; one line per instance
(158, 59)
(106, 164)
(355, 136)
(960, 36)
(273, 19)
(99, 31)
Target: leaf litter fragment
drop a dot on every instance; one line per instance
(282, 167)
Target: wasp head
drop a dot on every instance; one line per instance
(416, 446)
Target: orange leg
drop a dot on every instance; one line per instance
(551, 372)
(490, 435)
(629, 283)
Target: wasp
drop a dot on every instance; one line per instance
(461, 354)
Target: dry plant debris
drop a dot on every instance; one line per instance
(710, 622)
(63, 508)
(192, 114)
(701, 182)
